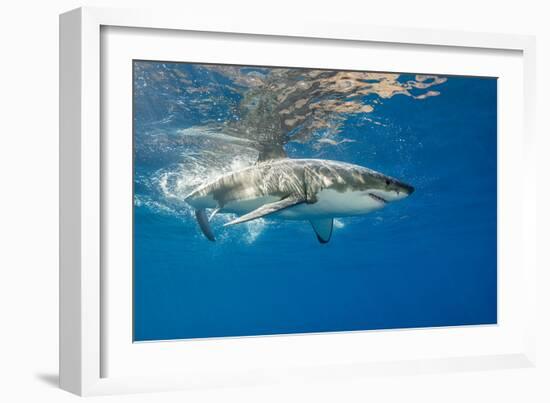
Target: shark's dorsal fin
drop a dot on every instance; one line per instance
(267, 209)
(202, 219)
(323, 228)
(270, 152)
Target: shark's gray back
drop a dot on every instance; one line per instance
(302, 178)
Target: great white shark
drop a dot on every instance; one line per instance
(312, 190)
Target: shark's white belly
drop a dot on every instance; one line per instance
(330, 203)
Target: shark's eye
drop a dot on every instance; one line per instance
(387, 182)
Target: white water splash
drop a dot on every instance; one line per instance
(173, 184)
(338, 223)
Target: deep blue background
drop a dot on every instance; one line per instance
(429, 260)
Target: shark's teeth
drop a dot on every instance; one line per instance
(378, 198)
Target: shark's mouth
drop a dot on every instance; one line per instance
(378, 198)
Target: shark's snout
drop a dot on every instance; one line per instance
(408, 189)
(398, 187)
(403, 190)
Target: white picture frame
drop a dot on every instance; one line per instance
(82, 158)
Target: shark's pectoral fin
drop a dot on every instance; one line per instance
(322, 228)
(267, 209)
(202, 219)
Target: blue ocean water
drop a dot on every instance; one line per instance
(428, 260)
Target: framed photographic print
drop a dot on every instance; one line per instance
(255, 203)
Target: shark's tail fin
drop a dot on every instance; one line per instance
(204, 225)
